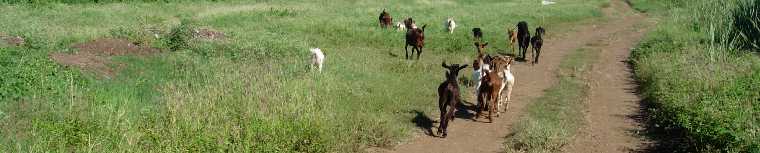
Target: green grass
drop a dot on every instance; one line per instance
(702, 87)
(249, 93)
(552, 120)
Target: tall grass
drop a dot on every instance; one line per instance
(702, 85)
(552, 120)
(251, 92)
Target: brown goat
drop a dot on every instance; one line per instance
(385, 19)
(448, 97)
(488, 95)
(415, 38)
(512, 38)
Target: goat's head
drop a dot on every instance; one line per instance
(481, 47)
(409, 23)
(540, 31)
(453, 70)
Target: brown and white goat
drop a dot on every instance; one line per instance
(480, 66)
(448, 97)
(416, 38)
(385, 19)
(503, 66)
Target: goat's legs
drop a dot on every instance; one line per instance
(442, 108)
(509, 96)
(449, 116)
(406, 50)
(537, 52)
(419, 51)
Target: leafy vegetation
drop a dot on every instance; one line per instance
(249, 92)
(700, 80)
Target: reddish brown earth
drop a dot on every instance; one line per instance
(466, 135)
(95, 56)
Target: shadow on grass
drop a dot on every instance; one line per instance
(423, 121)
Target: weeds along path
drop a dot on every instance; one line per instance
(614, 107)
(466, 135)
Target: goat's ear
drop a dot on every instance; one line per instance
(463, 66)
(444, 64)
(477, 44)
(486, 44)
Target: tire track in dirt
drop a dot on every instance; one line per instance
(466, 135)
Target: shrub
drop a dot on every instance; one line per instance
(179, 37)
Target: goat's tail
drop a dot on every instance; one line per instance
(423, 27)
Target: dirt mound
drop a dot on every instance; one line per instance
(95, 56)
(207, 33)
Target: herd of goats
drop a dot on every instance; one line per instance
(491, 74)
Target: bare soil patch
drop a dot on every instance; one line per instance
(12, 40)
(208, 34)
(95, 56)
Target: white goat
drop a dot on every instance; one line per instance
(399, 26)
(317, 58)
(479, 74)
(508, 82)
(450, 25)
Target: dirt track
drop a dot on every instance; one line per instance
(608, 119)
(613, 106)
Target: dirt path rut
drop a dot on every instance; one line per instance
(466, 135)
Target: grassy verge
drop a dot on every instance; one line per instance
(553, 119)
(702, 85)
(248, 93)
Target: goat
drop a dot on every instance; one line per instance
(502, 65)
(450, 25)
(523, 37)
(488, 94)
(512, 38)
(537, 41)
(448, 97)
(399, 26)
(416, 38)
(385, 19)
(317, 58)
(477, 33)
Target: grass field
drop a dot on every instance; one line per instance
(701, 81)
(252, 91)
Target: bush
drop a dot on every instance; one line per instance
(180, 36)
